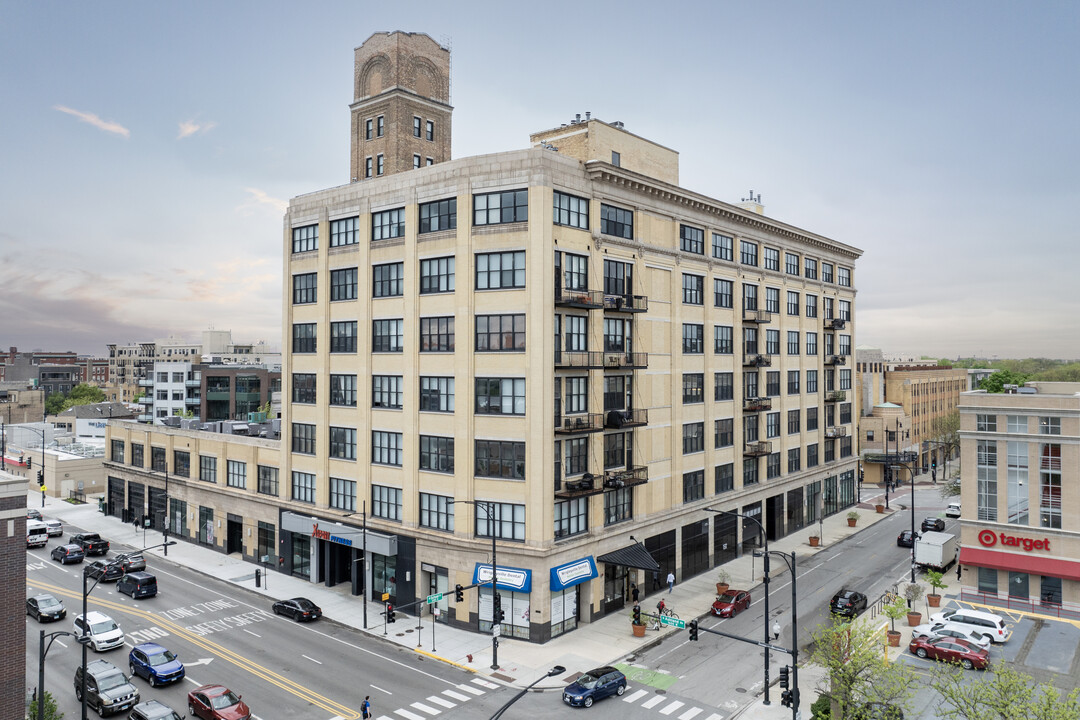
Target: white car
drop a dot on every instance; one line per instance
(54, 526)
(102, 630)
(953, 511)
(947, 629)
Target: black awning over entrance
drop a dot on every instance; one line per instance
(635, 556)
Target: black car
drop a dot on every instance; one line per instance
(906, 539)
(847, 603)
(92, 543)
(45, 607)
(933, 524)
(104, 572)
(594, 685)
(299, 609)
(70, 553)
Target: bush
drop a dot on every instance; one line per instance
(821, 709)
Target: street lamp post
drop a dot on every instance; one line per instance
(489, 511)
(911, 475)
(558, 669)
(44, 650)
(41, 470)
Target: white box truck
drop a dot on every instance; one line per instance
(936, 550)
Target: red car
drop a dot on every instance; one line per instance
(951, 649)
(216, 702)
(730, 603)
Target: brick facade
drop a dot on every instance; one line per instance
(12, 595)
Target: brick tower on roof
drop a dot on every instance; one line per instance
(401, 108)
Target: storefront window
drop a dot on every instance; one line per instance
(384, 577)
(516, 609)
(206, 525)
(988, 581)
(301, 555)
(564, 610)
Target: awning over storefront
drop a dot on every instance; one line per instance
(1032, 565)
(510, 578)
(337, 533)
(635, 556)
(572, 573)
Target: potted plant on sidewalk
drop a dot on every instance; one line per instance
(934, 577)
(912, 592)
(723, 581)
(852, 518)
(815, 540)
(894, 611)
(879, 509)
(636, 623)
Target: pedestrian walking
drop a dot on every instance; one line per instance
(958, 569)
(365, 708)
(670, 581)
(634, 593)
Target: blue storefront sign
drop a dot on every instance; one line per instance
(515, 579)
(572, 573)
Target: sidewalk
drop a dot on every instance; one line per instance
(601, 642)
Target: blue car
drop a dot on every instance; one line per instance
(594, 685)
(153, 662)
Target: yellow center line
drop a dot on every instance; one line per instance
(243, 663)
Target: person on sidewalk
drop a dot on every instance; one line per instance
(670, 581)
(365, 708)
(634, 593)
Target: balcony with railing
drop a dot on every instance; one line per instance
(617, 419)
(625, 360)
(578, 359)
(756, 360)
(835, 396)
(576, 424)
(836, 359)
(835, 324)
(584, 299)
(584, 486)
(146, 418)
(757, 449)
(757, 404)
(836, 431)
(626, 303)
(756, 316)
(628, 477)
(192, 383)
(146, 400)
(146, 382)
(192, 400)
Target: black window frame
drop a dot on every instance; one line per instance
(691, 239)
(616, 221)
(345, 231)
(437, 334)
(305, 238)
(387, 391)
(516, 333)
(570, 210)
(343, 284)
(305, 338)
(437, 275)
(388, 224)
(517, 270)
(383, 335)
(388, 280)
(438, 215)
(343, 342)
(514, 211)
(304, 388)
(723, 247)
(499, 459)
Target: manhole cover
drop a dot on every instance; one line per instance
(740, 690)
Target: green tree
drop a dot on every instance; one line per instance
(51, 711)
(1003, 694)
(54, 404)
(996, 382)
(1062, 373)
(854, 656)
(83, 394)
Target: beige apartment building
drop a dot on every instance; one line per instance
(1020, 527)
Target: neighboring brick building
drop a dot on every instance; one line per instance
(13, 596)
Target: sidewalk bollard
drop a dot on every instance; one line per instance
(258, 577)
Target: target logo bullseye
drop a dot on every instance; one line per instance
(988, 538)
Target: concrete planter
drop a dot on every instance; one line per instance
(893, 637)
(639, 630)
(914, 618)
(814, 541)
(934, 600)
(879, 509)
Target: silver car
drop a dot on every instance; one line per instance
(54, 526)
(948, 629)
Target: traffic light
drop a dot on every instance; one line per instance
(693, 630)
(459, 593)
(786, 698)
(499, 614)
(637, 615)
(389, 613)
(41, 479)
(29, 463)
(933, 464)
(784, 685)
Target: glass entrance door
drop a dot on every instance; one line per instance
(616, 587)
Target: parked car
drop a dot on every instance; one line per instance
(102, 630)
(951, 650)
(153, 662)
(299, 609)
(953, 510)
(216, 702)
(106, 572)
(45, 607)
(933, 524)
(92, 543)
(153, 710)
(37, 534)
(108, 690)
(55, 527)
(906, 539)
(132, 563)
(947, 629)
(978, 621)
(71, 553)
(594, 685)
(847, 603)
(33, 514)
(731, 603)
(137, 585)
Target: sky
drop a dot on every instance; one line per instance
(149, 149)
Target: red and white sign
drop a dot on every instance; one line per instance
(989, 538)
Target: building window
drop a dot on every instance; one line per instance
(830, 451)
(303, 487)
(386, 391)
(304, 288)
(380, 125)
(303, 340)
(793, 382)
(342, 337)
(437, 275)
(811, 306)
(793, 423)
(811, 343)
(618, 278)
(772, 466)
(388, 224)
(437, 394)
(826, 272)
(236, 475)
(417, 123)
(724, 342)
(845, 446)
(618, 505)
(343, 284)
(843, 276)
(692, 240)
(437, 334)
(693, 289)
(693, 486)
(386, 336)
(1049, 485)
(693, 388)
(1017, 423)
(500, 459)
(772, 342)
(575, 271)
(571, 210)
(722, 247)
(117, 454)
(722, 293)
(503, 520)
(724, 478)
(845, 379)
(437, 512)
(305, 238)
(181, 463)
(380, 164)
(157, 459)
(811, 381)
(496, 271)
(791, 264)
(845, 310)
(811, 456)
(343, 390)
(772, 425)
(303, 388)
(810, 269)
(437, 453)
(438, 215)
(986, 423)
(303, 438)
(416, 162)
(616, 159)
(724, 387)
(750, 472)
(386, 502)
(844, 344)
(387, 280)
(344, 232)
(429, 131)
(793, 342)
(575, 456)
(429, 161)
(500, 396)
(723, 432)
(368, 166)
(693, 338)
(750, 385)
(770, 258)
(772, 300)
(368, 129)
(386, 448)
(500, 333)
(748, 253)
(793, 303)
(811, 419)
(577, 395)
(986, 479)
(343, 494)
(693, 437)
(208, 468)
(749, 296)
(571, 517)
(616, 221)
(501, 208)
(1048, 425)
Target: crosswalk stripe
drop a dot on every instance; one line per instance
(439, 701)
(691, 713)
(652, 702)
(485, 683)
(456, 695)
(425, 708)
(675, 705)
(636, 696)
(408, 715)
(470, 689)
(714, 716)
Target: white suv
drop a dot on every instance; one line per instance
(102, 630)
(953, 511)
(975, 621)
(948, 629)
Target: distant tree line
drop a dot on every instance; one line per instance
(81, 394)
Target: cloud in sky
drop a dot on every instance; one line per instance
(92, 119)
(190, 127)
(258, 198)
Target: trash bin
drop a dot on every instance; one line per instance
(258, 577)
(101, 505)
